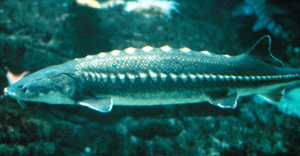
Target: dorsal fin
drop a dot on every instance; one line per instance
(261, 50)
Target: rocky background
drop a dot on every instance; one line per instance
(36, 34)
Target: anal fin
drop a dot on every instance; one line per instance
(275, 95)
(223, 100)
(103, 105)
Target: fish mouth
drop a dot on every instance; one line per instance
(9, 93)
(14, 95)
(5, 90)
(13, 92)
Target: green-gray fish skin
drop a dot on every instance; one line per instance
(158, 76)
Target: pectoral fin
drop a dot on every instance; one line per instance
(223, 100)
(103, 105)
(275, 95)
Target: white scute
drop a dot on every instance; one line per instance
(102, 55)
(227, 77)
(247, 78)
(143, 77)
(122, 77)
(285, 76)
(207, 76)
(183, 77)
(226, 55)
(104, 76)
(221, 77)
(173, 76)
(94, 79)
(166, 48)
(98, 76)
(193, 77)
(163, 77)
(240, 78)
(205, 52)
(113, 78)
(153, 75)
(115, 52)
(214, 77)
(130, 50)
(86, 75)
(233, 77)
(131, 77)
(269, 77)
(185, 49)
(89, 56)
(147, 48)
(200, 76)
(258, 78)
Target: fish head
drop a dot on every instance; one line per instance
(49, 85)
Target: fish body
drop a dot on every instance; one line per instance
(158, 76)
(264, 13)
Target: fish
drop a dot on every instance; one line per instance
(146, 7)
(158, 76)
(264, 13)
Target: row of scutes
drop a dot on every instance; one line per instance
(143, 76)
(131, 50)
(149, 49)
(146, 49)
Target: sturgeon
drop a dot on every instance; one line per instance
(158, 76)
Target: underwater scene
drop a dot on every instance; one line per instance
(149, 77)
